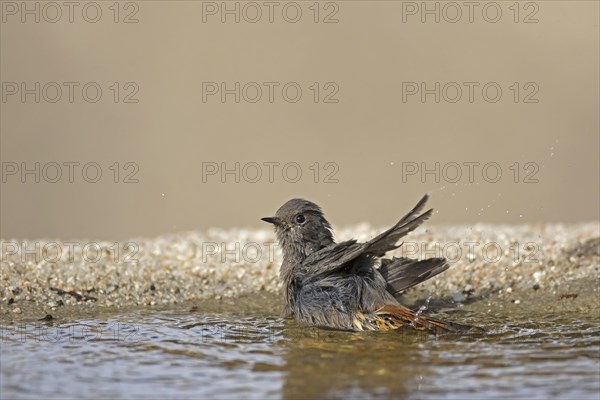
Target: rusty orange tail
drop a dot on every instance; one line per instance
(398, 316)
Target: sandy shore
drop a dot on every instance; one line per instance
(217, 264)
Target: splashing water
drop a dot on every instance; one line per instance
(420, 311)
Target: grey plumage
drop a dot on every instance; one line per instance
(403, 273)
(337, 285)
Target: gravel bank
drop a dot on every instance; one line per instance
(217, 264)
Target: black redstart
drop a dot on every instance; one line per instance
(338, 285)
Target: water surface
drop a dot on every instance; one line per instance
(242, 349)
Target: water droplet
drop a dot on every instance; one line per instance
(421, 309)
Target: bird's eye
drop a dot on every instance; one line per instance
(300, 218)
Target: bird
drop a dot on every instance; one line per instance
(349, 285)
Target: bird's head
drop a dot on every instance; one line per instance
(301, 228)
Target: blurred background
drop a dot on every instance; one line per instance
(142, 118)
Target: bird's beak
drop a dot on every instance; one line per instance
(272, 220)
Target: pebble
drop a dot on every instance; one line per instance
(458, 297)
(197, 265)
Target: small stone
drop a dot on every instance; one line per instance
(17, 310)
(468, 290)
(458, 297)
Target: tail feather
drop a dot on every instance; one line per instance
(403, 273)
(400, 316)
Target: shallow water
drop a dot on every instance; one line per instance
(242, 349)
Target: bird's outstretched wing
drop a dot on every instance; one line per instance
(329, 259)
(339, 256)
(388, 240)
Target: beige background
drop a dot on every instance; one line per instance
(368, 134)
